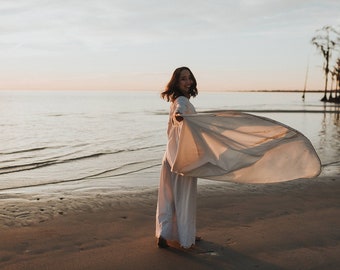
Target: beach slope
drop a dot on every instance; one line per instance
(290, 225)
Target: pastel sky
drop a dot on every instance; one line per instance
(136, 44)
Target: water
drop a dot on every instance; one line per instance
(54, 139)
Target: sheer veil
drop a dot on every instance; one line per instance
(240, 147)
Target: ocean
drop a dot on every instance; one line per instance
(83, 140)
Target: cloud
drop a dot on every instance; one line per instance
(89, 36)
(108, 25)
(110, 22)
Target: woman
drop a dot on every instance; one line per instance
(176, 207)
(239, 147)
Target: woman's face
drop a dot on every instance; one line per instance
(185, 82)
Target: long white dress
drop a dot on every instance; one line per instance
(223, 146)
(176, 207)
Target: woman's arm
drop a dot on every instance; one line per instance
(181, 104)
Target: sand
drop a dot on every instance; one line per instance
(290, 225)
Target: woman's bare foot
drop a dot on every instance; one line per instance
(162, 243)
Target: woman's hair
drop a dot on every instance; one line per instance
(172, 90)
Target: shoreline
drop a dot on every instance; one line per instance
(288, 225)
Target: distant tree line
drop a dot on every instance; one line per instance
(327, 42)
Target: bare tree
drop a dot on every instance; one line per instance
(337, 80)
(326, 42)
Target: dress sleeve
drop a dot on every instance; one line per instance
(240, 147)
(181, 105)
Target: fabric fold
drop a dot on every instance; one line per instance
(241, 147)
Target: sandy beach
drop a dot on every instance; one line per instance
(290, 225)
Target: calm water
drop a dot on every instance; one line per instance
(85, 137)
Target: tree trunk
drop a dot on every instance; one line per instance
(326, 74)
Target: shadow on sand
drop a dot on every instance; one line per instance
(209, 255)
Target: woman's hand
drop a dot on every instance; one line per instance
(179, 117)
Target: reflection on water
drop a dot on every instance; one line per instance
(329, 139)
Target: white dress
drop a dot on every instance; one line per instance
(176, 207)
(224, 146)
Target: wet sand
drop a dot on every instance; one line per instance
(291, 225)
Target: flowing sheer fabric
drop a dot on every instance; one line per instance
(240, 147)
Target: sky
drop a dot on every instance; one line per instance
(136, 45)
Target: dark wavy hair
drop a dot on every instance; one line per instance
(172, 90)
